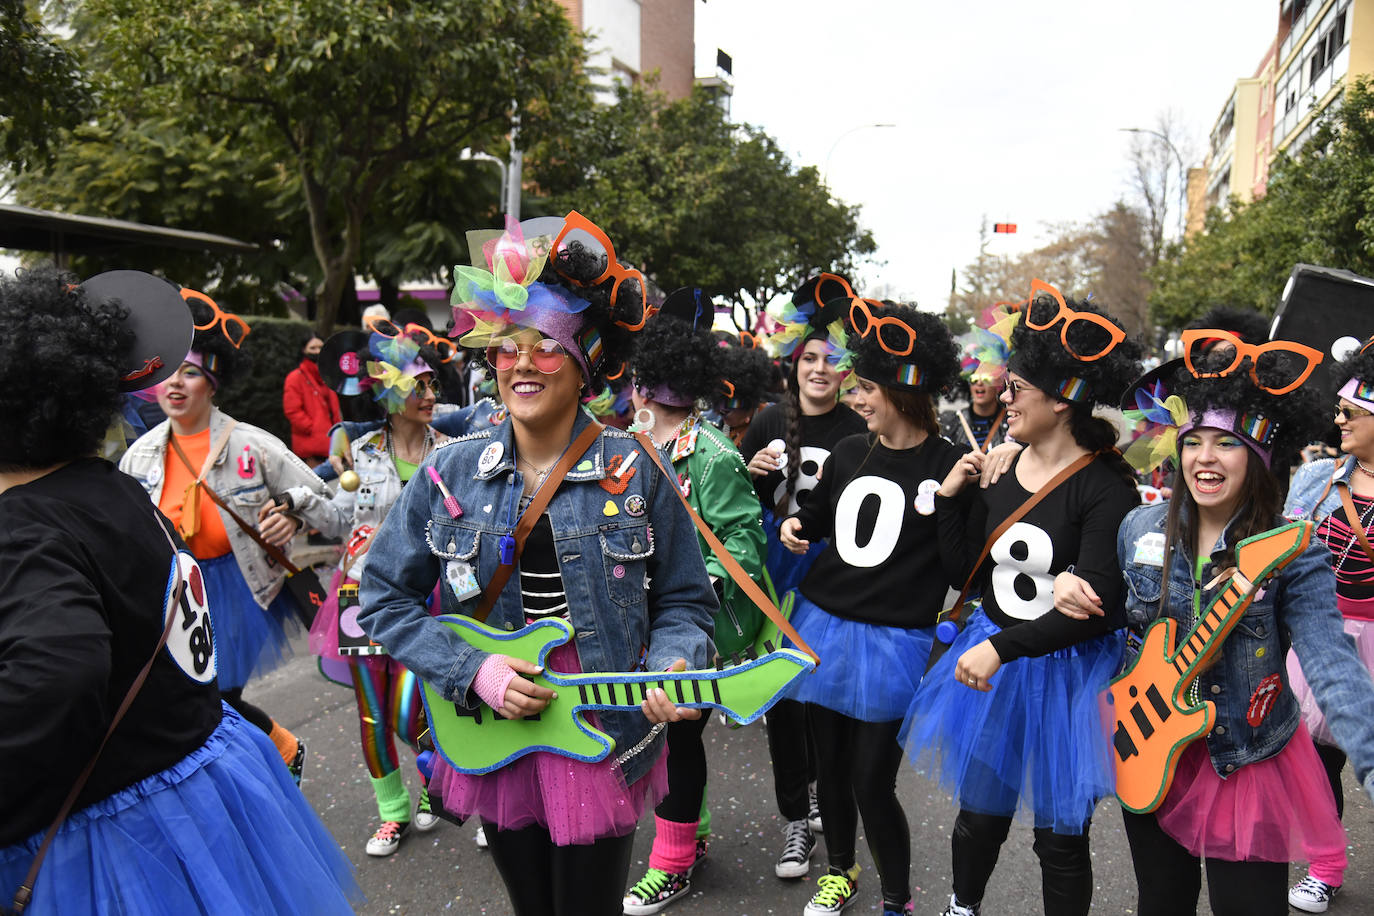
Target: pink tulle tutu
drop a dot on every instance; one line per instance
(577, 802)
(1277, 810)
(1363, 633)
(324, 632)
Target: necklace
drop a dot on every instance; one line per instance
(677, 431)
(425, 448)
(1360, 464)
(539, 473)
(1362, 519)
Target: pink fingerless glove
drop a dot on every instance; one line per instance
(492, 680)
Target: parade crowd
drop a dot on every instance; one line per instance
(545, 591)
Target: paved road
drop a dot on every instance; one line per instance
(443, 871)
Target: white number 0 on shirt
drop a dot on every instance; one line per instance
(886, 527)
(1036, 555)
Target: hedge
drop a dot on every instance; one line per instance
(273, 349)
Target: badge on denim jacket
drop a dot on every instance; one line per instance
(1149, 549)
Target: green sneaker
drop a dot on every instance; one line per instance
(425, 819)
(834, 892)
(654, 891)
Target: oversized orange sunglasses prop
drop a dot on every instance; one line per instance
(578, 228)
(225, 320)
(864, 321)
(1195, 347)
(416, 332)
(1114, 334)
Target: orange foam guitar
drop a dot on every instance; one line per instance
(1154, 720)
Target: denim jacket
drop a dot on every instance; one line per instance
(1310, 482)
(268, 467)
(1298, 607)
(608, 545)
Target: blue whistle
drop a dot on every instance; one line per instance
(946, 630)
(424, 761)
(505, 549)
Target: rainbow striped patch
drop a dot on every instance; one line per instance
(1256, 427)
(1073, 389)
(1364, 390)
(590, 340)
(909, 374)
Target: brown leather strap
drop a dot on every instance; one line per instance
(737, 573)
(1354, 518)
(272, 551)
(992, 431)
(25, 891)
(530, 517)
(1020, 513)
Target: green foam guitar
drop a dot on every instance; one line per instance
(478, 740)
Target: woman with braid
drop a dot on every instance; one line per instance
(786, 447)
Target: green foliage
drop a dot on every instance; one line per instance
(1318, 209)
(327, 125)
(42, 88)
(695, 200)
(273, 349)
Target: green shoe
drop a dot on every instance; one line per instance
(834, 892)
(654, 891)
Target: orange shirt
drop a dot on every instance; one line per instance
(211, 540)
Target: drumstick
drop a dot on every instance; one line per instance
(968, 431)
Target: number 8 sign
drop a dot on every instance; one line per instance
(191, 642)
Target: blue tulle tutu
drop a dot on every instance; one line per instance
(785, 568)
(222, 831)
(1035, 745)
(248, 640)
(867, 671)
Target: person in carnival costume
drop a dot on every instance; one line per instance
(786, 446)
(748, 375)
(1316, 494)
(188, 809)
(1251, 795)
(556, 312)
(1008, 718)
(200, 449)
(676, 365)
(983, 365)
(402, 380)
(868, 605)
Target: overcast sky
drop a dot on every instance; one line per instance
(1003, 108)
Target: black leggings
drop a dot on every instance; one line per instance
(1169, 878)
(250, 712)
(1333, 761)
(793, 753)
(686, 771)
(1066, 869)
(856, 774)
(547, 880)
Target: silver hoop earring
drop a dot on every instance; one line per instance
(644, 421)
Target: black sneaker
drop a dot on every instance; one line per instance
(654, 891)
(813, 814)
(297, 764)
(387, 839)
(797, 846)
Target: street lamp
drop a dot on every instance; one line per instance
(826, 171)
(1182, 179)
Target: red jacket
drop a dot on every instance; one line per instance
(312, 407)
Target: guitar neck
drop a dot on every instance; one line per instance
(628, 691)
(1205, 639)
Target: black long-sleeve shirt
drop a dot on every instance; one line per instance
(883, 562)
(819, 434)
(1073, 526)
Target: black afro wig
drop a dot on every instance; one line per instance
(748, 370)
(617, 313)
(61, 359)
(1358, 365)
(669, 352)
(1247, 324)
(934, 352)
(1041, 358)
(229, 361)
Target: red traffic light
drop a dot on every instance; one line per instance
(1004, 227)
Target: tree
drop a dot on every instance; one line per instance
(1318, 209)
(340, 98)
(42, 88)
(695, 200)
(1157, 179)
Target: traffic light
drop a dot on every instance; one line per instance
(1004, 227)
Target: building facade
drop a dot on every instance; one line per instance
(630, 39)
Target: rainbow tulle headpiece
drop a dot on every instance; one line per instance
(805, 316)
(986, 348)
(395, 369)
(1163, 414)
(500, 289)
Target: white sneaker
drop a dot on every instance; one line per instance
(797, 846)
(480, 838)
(956, 908)
(387, 839)
(813, 814)
(1312, 895)
(425, 819)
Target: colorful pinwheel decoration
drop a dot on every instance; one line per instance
(1163, 413)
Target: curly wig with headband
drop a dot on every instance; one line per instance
(673, 355)
(934, 352)
(1358, 365)
(1040, 357)
(61, 360)
(748, 370)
